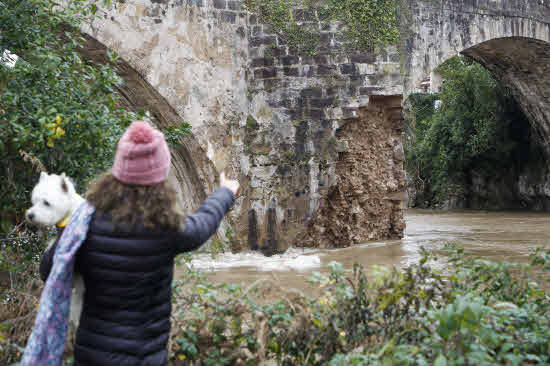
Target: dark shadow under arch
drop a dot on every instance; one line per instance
(523, 65)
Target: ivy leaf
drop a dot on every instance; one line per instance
(440, 361)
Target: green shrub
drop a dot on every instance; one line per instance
(479, 127)
(59, 112)
(478, 311)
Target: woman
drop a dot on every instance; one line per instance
(127, 258)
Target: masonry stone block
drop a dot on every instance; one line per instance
(229, 17)
(321, 59)
(261, 62)
(274, 51)
(220, 4)
(323, 70)
(322, 102)
(289, 60)
(348, 69)
(234, 5)
(256, 30)
(291, 71)
(265, 73)
(363, 58)
(312, 92)
(302, 15)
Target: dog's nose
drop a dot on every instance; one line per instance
(30, 216)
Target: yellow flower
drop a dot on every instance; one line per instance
(59, 131)
(182, 357)
(342, 333)
(50, 142)
(55, 129)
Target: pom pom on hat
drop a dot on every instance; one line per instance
(140, 132)
(142, 156)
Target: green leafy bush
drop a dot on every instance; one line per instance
(477, 311)
(478, 128)
(59, 112)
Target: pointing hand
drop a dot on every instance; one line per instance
(232, 185)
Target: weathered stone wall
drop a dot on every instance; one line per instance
(440, 29)
(184, 61)
(314, 139)
(269, 115)
(301, 145)
(509, 37)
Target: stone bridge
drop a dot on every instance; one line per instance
(314, 139)
(509, 37)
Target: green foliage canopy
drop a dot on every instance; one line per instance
(58, 111)
(477, 127)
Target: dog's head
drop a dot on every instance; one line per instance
(52, 200)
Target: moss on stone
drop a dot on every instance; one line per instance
(251, 123)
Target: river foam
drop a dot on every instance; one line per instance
(291, 260)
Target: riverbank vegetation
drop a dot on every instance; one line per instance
(469, 152)
(60, 112)
(475, 311)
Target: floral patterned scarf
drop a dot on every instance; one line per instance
(46, 344)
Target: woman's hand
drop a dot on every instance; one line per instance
(232, 185)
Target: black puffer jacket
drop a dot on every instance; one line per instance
(125, 320)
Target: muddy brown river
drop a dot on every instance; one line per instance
(495, 235)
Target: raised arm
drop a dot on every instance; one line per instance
(202, 224)
(205, 221)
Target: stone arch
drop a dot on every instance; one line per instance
(441, 29)
(523, 65)
(190, 165)
(509, 37)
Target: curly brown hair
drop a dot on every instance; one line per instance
(153, 206)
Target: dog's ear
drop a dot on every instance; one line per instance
(43, 175)
(63, 175)
(64, 185)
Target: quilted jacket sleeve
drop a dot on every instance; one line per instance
(202, 224)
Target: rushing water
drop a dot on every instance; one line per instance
(497, 235)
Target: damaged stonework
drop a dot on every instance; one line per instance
(301, 132)
(264, 113)
(364, 203)
(299, 104)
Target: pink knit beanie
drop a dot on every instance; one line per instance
(142, 156)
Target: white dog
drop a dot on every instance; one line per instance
(54, 199)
